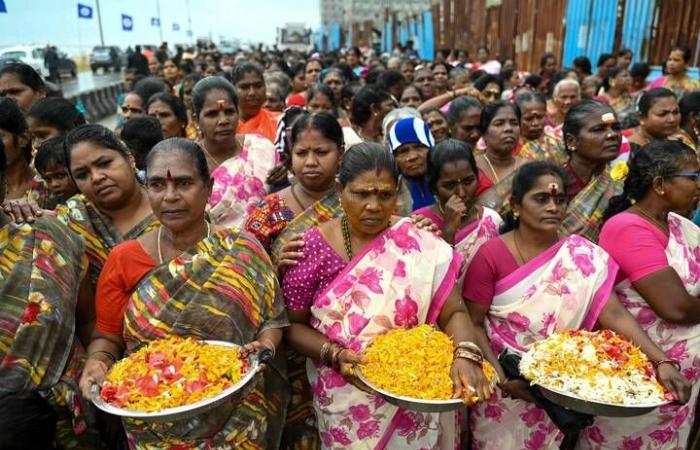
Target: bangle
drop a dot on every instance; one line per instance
(675, 364)
(105, 352)
(468, 345)
(453, 94)
(324, 351)
(466, 354)
(337, 350)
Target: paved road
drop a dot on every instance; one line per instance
(86, 81)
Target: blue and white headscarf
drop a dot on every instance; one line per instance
(410, 130)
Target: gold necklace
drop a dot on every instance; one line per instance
(517, 248)
(495, 175)
(347, 243)
(160, 233)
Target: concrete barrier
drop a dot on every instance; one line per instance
(99, 103)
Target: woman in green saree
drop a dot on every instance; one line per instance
(190, 278)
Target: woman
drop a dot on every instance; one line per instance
(616, 92)
(490, 87)
(690, 119)
(51, 117)
(658, 251)
(246, 309)
(410, 141)
(537, 143)
(171, 72)
(334, 79)
(185, 94)
(387, 261)
(441, 72)
(624, 58)
(112, 206)
(22, 84)
(676, 78)
(22, 181)
(411, 97)
(452, 176)
(425, 80)
(132, 106)
(320, 98)
(463, 116)
(659, 117)
(592, 139)
(42, 317)
(239, 164)
(566, 94)
(297, 72)
(316, 146)
(437, 121)
(170, 112)
(509, 316)
(369, 106)
(500, 128)
(312, 72)
(248, 79)
(354, 60)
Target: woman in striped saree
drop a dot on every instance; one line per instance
(190, 278)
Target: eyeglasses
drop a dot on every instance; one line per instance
(692, 175)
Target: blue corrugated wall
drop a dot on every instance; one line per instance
(590, 29)
(636, 27)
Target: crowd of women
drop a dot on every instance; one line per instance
(304, 205)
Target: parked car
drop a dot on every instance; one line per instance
(66, 65)
(30, 55)
(109, 57)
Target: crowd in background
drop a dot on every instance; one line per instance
(306, 203)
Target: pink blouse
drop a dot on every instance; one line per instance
(492, 262)
(305, 281)
(638, 247)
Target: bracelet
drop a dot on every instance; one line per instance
(109, 355)
(453, 94)
(675, 364)
(324, 351)
(468, 345)
(337, 350)
(465, 354)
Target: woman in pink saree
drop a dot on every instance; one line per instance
(658, 251)
(361, 275)
(452, 176)
(527, 284)
(239, 164)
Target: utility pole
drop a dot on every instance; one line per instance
(99, 23)
(160, 21)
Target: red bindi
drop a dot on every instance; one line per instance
(168, 175)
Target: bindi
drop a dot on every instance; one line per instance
(608, 118)
(168, 176)
(221, 104)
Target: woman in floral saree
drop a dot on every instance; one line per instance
(42, 268)
(193, 279)
(538, 143)
(361, 275)
(239, 164)
(527, 284)
(658, 251)
(452, 176)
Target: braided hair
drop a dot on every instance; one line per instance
(658, 159)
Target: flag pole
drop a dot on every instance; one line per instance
(160, 21)
(99, 23)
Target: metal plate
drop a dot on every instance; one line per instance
(240, 389)
(575, 403)
(410, 403)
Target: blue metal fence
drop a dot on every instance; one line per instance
(590, 29)
(636, 27)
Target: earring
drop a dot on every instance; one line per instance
(572, 148)
(516, 214)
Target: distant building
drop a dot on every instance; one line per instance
(347, 12)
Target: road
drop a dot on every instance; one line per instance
(86, 81)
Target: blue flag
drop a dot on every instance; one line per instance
(127, 23)
(3, 7)
(176, 27)
(84, 11)
(155, 21)
(189, 33)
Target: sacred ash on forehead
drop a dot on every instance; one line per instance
(608, 117)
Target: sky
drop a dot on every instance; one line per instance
(57, 21)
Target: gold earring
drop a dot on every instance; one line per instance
(516, 214)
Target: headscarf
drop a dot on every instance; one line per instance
(410, 130)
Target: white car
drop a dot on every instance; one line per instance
(32, 55)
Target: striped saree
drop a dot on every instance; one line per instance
(223, 288)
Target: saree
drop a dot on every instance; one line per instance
(264, 123)
(547, 148)
(322, 211)
(667, 427)
(239, 182)
(389, 284)
(223, 288)
(41, 268)
(687, 85)
(98, 231)
(584, 215)
(625, 108)
(563, 288)
(300, 428)
(496, 197)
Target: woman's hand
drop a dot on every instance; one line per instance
(674, 382)
(94, 373)
(277, 175)
(470, 91)
(289, 254)
(256, 346)
(425, 223)
(517, 389)
(23, 210)
(469, 381)
(455, 210)
(347, 360)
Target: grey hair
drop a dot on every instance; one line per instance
(563, 83)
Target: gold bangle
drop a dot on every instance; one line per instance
(465, 354)
(468, 345)
(324, 352)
